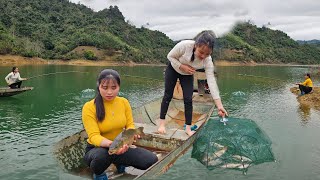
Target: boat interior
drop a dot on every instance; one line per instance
(69, 151)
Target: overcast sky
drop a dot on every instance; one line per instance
(182, 19)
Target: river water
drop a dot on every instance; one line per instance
(32, 122)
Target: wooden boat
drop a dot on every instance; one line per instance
(6, 91)
(169, 147)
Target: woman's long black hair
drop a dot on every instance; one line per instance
(207, 38)
(14, 68)
(105, 75)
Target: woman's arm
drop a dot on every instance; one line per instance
(105, 143)
(90, 124)
(8, 77)
(176, 52)
(214, 90)
(221, 111)
(20, 78)
(305, 82)
(209, 69)
(129, 118)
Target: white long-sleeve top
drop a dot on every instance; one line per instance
(13, 77)
(181, 54)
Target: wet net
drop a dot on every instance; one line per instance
(235, 144)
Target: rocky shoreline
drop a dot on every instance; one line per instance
(311, 100)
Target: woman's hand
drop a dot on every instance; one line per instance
(222, 112)
(187, 69)
(123, 149)
(136, 137)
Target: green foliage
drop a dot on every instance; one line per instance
(266, 45)
(6, 41)
(90, 55)
(53, 28)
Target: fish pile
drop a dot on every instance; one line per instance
(215, 159)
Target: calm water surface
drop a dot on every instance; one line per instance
(32, 122)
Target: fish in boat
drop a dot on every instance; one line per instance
(169, 147)
(125, 137)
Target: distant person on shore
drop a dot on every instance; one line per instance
(13, 79)
(306, 86)
(185, 58)
(104, 118)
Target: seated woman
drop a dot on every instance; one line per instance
(306, 86)
(13, 79)
(104, 118)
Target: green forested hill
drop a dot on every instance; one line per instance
(54, 29)
(249, 42)
(51, 29)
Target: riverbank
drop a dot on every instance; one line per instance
(311, 100)
(12, 60)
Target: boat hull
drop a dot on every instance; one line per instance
(6, 92)
(69, 151)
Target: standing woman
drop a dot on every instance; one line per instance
(13, 79)
(185, 58)
(306, 86)
(104, 118)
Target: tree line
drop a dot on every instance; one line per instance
(52, 29)
(249, 42)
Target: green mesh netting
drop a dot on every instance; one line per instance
(237, 145)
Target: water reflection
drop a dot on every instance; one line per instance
(304, 112)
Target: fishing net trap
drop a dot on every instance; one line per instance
(235, 144)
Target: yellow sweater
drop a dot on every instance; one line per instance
(118, 116)
(307, 82)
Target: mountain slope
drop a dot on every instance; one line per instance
(248, 42)
(53, 28)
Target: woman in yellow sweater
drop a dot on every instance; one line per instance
(104, 118)
(306, 86)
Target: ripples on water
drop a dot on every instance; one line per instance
(28, 131)
(27, 141)
(32, 122)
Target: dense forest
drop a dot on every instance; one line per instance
(51, 29)
(248, 42)
(55, 29)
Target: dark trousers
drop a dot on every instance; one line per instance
(15, 85)
(186, 82)
(98, 158)
(305, 89)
